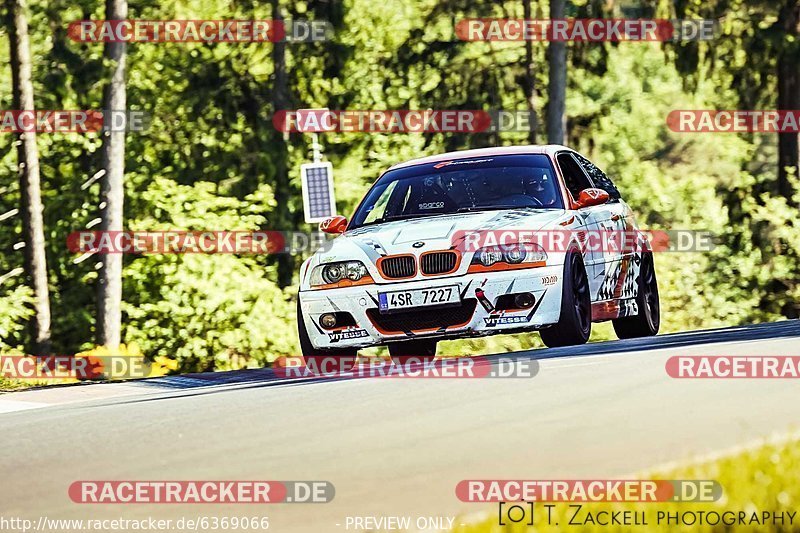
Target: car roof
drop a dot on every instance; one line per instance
(548, 149)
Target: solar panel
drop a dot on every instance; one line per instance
(318, 199)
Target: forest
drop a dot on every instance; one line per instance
(211, 157)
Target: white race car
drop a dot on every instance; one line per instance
(478, 242)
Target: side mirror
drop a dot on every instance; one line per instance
(335, 225)
(590, 197)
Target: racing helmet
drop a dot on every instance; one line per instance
(541, 186)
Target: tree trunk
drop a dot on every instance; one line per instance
(29, 181)
(280, 102)
(109, 286)
(530, 81)
(557, 87)
(788, 92)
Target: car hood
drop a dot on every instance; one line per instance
(419, 235)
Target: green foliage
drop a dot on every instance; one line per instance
(758, 263)
(206, 311)
(212, 159)
(14, 312)
(671, 180)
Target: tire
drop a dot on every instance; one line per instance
(410, 352)
(323, 361)
(575, 323)
(647, 322)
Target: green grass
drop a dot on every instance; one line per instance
(756, 479)
(8, 385)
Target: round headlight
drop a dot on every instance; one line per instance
(490, 256)
(333, 273)
(515, 254)
(355, 271)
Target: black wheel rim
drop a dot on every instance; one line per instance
(650, 296)
(580, 293)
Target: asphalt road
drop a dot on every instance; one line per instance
(390, 447)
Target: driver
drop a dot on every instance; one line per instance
(431, 196)
(540, 186)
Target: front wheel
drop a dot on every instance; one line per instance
(647, 322)
(323, 361)
(575, 323)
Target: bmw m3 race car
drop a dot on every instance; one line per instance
(479, 242)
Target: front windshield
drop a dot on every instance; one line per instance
(460, 186)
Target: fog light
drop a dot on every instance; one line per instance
(524, 300)
(328, 320)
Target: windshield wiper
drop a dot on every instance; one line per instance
(403, 217)
(494, 208)
(392, 218)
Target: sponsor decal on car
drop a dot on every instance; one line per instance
(481, 295)
(492, 321)
(347, 334)
(549, 280)
(466, 162)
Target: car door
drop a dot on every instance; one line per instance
(620, 255)
(592, 219)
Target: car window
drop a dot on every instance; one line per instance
(599, 177)
(500, 182)
(574, 177)
(379, 208)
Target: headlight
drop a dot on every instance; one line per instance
(515, 254)
(344, 271)
(489, 256)
(534, 253)
(525, 255)
(355, 270)
(333, 273)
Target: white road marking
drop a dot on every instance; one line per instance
(177, 386)
(10, 406)
(580, 364)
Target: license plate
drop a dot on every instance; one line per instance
(390, 301)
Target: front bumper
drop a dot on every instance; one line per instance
(476, 316)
